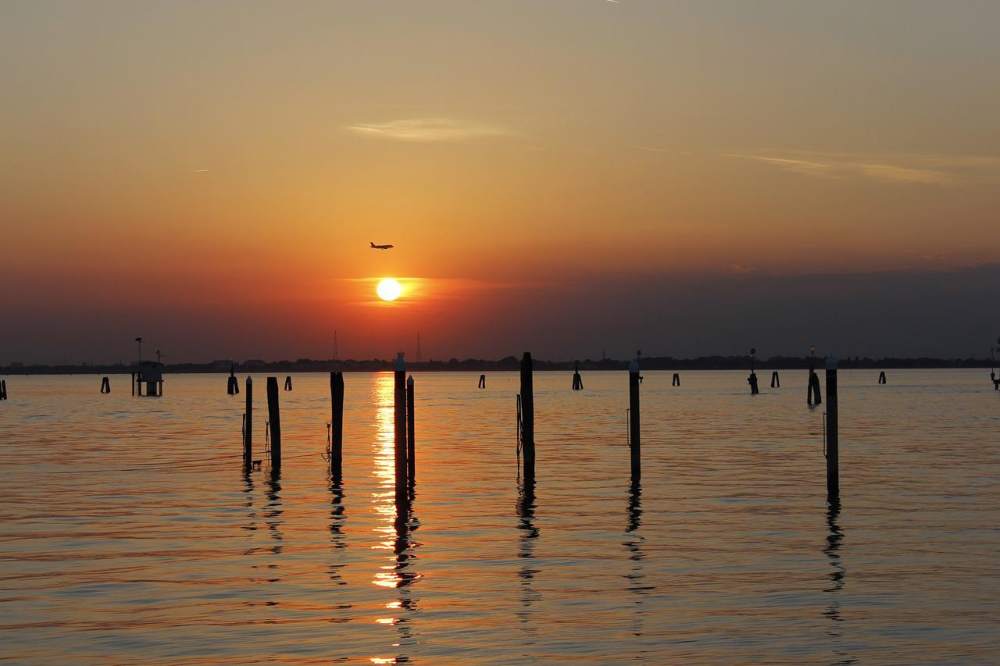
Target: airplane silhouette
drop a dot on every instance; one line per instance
(380, 247)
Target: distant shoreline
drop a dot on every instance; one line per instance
(507, 363)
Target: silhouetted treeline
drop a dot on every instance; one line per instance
(506, 363)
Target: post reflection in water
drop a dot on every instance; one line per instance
(395, 527)
(837, 578)
(273, 519)
(633, 543)
(337, 519)
(251, 525)
(529, 533)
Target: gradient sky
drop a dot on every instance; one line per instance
(564, 176)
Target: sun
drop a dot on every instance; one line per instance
(388, 289)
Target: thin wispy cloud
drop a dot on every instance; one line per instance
(939, 170)
(428, 130)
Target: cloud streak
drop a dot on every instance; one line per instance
(937, 170)
(428, 130)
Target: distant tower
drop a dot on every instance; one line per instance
(418, 347)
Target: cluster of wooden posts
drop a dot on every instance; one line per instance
(404, 420)
(405, 432)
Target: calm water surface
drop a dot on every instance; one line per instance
(129, 533)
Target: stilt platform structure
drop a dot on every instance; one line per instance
(150, 378)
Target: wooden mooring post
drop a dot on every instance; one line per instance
(633, 419)
(832, 432)
(337, 427)
(752, 379)
(248, 427)
(274, 423)
(399, 403)
(288, 382)
(881, 377)
(232, 384)
(577, 379)
(105, 385)
(3, 389)
(411, 445)
(813, 396)
(676, 381)
(527, 423)
(775, 380)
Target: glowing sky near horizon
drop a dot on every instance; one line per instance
(243, 155)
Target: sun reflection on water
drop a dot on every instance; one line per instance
(394, 525)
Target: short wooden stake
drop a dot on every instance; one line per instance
(3, 389)
(676, 381)
(881, 377)
(337, 427)
(528, 416)
(274, 421)
(411, 449)
(482, 381)
(133, 383)
(752, 381)
(813, 396)
(288, 383)
(633, 419)
(105, 385)
(248, 427)
(775, 380)
(832, 432)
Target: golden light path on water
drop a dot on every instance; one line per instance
(392, 527)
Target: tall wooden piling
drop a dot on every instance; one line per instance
(528, 416)
(399, 402)
(337, 427)
(832, 432)
(248, 427)
(411, 447)
(274, 421)
(633, 419)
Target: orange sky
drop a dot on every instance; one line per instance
(242, 155)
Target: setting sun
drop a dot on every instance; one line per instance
(388, 289)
